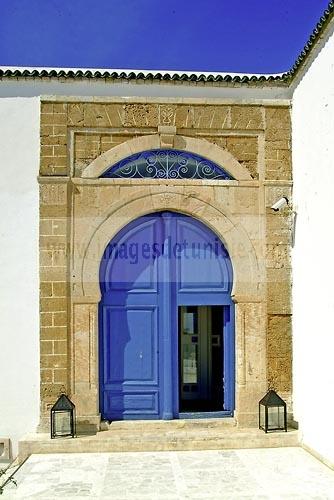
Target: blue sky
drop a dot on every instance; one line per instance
(247, 36)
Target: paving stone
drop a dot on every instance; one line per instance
(274, 473)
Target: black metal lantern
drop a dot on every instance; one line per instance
(272, 413)
(63, 418)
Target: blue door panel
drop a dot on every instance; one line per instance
(140, 354)
(203, 265)
(130, 263)
(134, 351)
(147, 271)
(131, 406)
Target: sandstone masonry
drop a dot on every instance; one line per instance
(76, 139)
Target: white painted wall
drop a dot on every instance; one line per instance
(19, 283)
(101, 88)
(313, 254)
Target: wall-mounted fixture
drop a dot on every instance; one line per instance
(281, 203)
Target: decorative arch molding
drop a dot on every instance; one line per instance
(246, 269)
(200, 147)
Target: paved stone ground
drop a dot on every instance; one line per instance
(233, 474)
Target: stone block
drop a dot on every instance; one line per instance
(183, 117)
(59, 227)
(53, 304)
(47, 119)
(46, 347)
(46, 318)
(59, 318)
(279, 291)
(278, 170)
(45, 257)
(278, 256)
(59, 119)
(210, 117)
(54, 242)
(246, 201)
(87, 146)
(59, 107)
(51, 392)
(46, 107)
(53, 210)
(59, 150)
(47, 150)
(54, 140)
(75, 115)
(278, 134)
(247, 117)
(279, 336)
(45, 130)
(106, 143)
(60, 347)
(45, 227)
(278, 118)
(54, 333)
(279, 373)
(279, 227)
(53, 361)
(95, 115)
(59, 258)
(45, 289)
(59, 289)
(46, 376)
(245, 150)
(272, 148)
(59, 171)
(48, 273)
(60, 376)
(100, 115)
(53, 194)
(141, 115)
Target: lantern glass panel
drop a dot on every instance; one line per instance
(275, 417)
(62, 423)
(272, 418)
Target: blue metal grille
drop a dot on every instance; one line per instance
(166, 164)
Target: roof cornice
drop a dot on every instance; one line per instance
(132, 74)
(314, 38)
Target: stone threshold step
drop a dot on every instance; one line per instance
(138, 425)
(177, 441)
(167, 433)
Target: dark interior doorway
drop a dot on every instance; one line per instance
(201, 358)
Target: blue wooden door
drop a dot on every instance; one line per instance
(152, 267)
(130, 320)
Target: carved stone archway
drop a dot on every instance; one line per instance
(247, 293)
